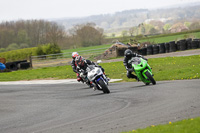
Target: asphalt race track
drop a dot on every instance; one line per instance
(74, 108)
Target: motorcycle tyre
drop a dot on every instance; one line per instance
(104, 86)
(150, 77)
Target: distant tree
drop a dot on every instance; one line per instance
(194, 26)
(22, 37)
(12, 46)
(143, 30)
(131, 31)
(166, 27)
(153, 31)
(124, 33)
(2, 50)
(31, 32)
(87, 35)
(24, 45)
(187, 24)
(178, 27)
(113, 34)
(55, 33)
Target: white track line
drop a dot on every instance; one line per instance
(62, 81)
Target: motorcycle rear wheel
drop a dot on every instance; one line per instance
(104, 86)
(150, 77)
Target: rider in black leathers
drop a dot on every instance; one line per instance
(82, 65)
(128, 54)
(74, 65)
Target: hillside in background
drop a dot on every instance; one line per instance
(130, 18)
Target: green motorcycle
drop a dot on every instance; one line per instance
(142, 70)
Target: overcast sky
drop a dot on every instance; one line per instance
(44, 9)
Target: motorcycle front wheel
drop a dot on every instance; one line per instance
(150, 77)
(104, 86)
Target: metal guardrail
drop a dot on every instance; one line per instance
(62, 58)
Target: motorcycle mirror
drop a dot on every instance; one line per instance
(99, 61)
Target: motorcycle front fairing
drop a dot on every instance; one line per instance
(95, 74)
(140, 67)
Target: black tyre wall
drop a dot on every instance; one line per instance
(24, 65)
(142, 51)
(166, 47)
(195, 44)
(189, 43)
(11, 65)
(155, 49)
(183, 45)
(172, 46)
(161, 48)
(198, 42)
(149, 50)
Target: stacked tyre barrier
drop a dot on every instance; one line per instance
(142, 51)
(181, 45)
(155, 49)
(172, 46)
(195, 44)
(161, 48)
(189, 43)
(167, 47)
(18, 65)
(149, 49)
(120, 50)
(24, 65)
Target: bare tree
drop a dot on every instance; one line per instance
(87, 35)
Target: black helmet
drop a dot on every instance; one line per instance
(79, 60)
(128, 53)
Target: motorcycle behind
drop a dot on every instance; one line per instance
(142, 70)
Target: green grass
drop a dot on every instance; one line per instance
(168, 38)
(87, 48)
(170, 68)
(184, 126)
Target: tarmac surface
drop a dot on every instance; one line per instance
(75, 108)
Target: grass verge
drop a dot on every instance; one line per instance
(169, 68)
(170, 37)
(184, 126)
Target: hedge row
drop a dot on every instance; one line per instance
(172, 46)
(20, 54)
(24, 54)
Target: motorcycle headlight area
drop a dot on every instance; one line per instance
(99, 71)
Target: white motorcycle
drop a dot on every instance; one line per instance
(97, 77)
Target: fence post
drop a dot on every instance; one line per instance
(30, 59)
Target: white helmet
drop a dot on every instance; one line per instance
(74, 55)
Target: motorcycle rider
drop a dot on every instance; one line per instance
(82, 65)
(74, 65)
(128, 54)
